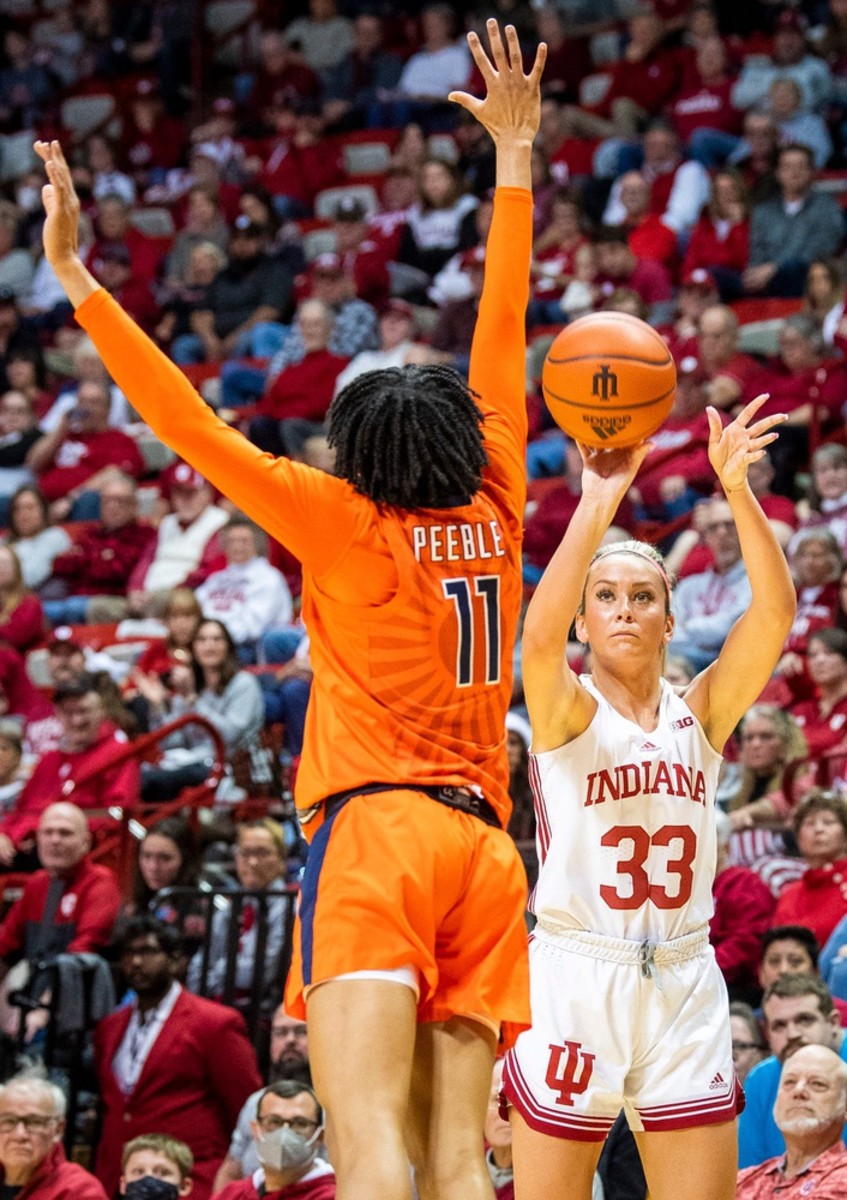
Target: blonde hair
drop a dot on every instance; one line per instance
(161, 1143)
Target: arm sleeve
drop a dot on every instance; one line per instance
(313, 514)
(498, 353)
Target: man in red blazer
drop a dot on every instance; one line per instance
(170, 1062)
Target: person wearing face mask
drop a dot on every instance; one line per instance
(32, 1161)
(288, 1131)
(155, 1166)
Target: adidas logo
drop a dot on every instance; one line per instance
(646, 747)
(717, 1082)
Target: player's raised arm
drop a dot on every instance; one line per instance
(725, 690)
(287, 499)
(559, 707)
(510, 111)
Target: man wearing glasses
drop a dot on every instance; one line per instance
(32, 1120)
(288, 1132)
(170, 1062)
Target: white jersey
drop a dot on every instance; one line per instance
(626, 828)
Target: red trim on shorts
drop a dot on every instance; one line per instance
(553, 1122)
(541, 816)
(714, 1110)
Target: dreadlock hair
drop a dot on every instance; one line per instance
(409, 436)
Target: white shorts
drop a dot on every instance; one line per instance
(615, 1026)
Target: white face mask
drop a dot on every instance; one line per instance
(284, 1150)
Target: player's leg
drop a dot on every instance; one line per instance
(549, 1167)
(361, 1047)
(699, 1163)
(451, 1081)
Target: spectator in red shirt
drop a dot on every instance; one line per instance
(720, 241)
(678, 187)
(717, 360)
(697, 292)
(618, 267)
(76, 458)
(744, 907)
(648, 235)
(32, 1160)
(299, 161)
(282, 74)
(568, 57)
(303, 391)
(101, 559)
(69, 906)
(815, 565)
(153, 141)
(112, 267)
(363, 257)
(818, 899)
(288, 1131)
(22, 623)
(643, 81)
(824, 718)
(113, 227)
(702, 107)
(78, 770)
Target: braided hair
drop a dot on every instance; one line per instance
(409, 436)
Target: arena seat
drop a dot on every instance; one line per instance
(593, 89)
(318, 241)
(156, 222)
(327, 200)
(365, 158)
(84, 115)
(768, 308)
(443, 145)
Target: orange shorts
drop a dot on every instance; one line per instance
(396, 879)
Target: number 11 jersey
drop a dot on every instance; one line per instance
(626, 825)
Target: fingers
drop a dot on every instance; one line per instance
(751, 409)
(498, 50)
(766, 423)
(481, 58)
(715, 425)
(538, 65)
(465, 100)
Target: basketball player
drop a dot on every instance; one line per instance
(629, 1007)
(410, 949)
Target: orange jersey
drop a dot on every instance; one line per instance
(411, 615)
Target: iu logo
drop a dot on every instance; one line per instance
(569, 1071)
(604, 383)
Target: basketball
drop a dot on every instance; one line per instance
(609, 380)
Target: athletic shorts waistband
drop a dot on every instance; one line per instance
(624, 950)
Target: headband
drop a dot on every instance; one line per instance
(617, 548)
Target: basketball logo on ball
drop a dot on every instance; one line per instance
(609, 380)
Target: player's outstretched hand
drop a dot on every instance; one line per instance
(61, 228)
(734, 447)
(608, 474)
(512, 103)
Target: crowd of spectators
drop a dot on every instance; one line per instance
(318, 210)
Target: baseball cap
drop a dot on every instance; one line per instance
(181, 475)
(328, 264)
(63, 641)
(700, 278)
(473, 258)
(397, 307)
(790, 19)
(349, 208)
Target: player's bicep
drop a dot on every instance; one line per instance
(560, 708)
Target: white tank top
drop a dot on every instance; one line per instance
(626, 829)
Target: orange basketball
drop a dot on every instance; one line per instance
(609, 380)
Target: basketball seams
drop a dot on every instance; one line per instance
(610, 358)
(604, 408)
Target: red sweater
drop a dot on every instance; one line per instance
(25, 626)
(824, 386)
(301, 171)
(707, 249)
(650, 83)
(821, 733)
(101, 560)
(57, 770)
(57, 1179)
(82, 455)
(651, 238)
(744, 907)
(680, 447)
(818, 900)
(321, 1186)
(705, 106)
(83, 921)
(305, 389)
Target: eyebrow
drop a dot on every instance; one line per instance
(638, 583)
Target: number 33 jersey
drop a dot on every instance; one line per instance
(626, 828)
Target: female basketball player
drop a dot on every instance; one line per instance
(411, 593)
(629, 1007)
